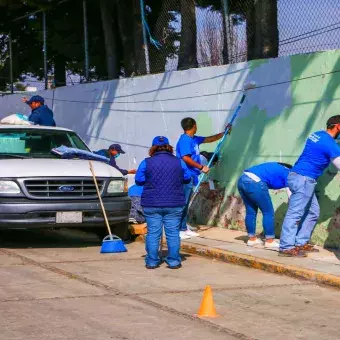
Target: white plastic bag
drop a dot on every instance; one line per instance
(16, 119)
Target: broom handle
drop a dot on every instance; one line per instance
(100, 200)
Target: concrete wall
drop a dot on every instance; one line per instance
(296, 96)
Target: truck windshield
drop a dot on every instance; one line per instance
(34, 143)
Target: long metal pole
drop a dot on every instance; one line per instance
(10, 62)
(225, 7)
(45, 50)
(86, 42)
(145, 40)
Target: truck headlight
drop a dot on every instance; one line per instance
(9, 187)
(117, 187)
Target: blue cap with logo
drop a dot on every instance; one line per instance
(36, 99)
(160, 140)
(116, 147)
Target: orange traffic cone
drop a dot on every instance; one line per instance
(207, 308)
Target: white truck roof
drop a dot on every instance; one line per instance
(34, 127)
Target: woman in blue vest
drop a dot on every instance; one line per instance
(163, 176)
(253, 187)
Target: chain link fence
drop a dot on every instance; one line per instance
(125, 38)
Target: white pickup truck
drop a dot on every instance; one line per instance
(39, 189)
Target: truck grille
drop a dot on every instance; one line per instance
(63, 188)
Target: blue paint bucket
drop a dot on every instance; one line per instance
(113, 244)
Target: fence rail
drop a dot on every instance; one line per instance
(71, 42)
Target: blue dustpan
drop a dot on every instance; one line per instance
(113, 244)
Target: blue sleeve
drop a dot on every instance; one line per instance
(114, 164)
(184, 147)
(186, 173)
(34, 118)
(199, 139)
(140, 174)
(334, 150)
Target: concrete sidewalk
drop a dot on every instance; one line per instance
(229, 246)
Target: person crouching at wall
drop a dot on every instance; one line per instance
(253, 186)
(163, 176)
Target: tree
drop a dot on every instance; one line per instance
(188, 47)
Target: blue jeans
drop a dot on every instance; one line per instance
(187, 194)
(302, 214)
(155, 219)
(255, 195)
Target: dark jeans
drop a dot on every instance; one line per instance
(255, 195)
(187, 194)
(155, 219)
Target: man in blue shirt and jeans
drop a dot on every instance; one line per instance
(303, 208)
(187, 149)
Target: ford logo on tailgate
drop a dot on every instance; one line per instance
(66, 188)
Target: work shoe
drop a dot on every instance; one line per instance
(256, 243)
(275, 245)
(191, 233)
(183, 235)
(175, 267)
(294, 252)
(308, 248)
(151, 267)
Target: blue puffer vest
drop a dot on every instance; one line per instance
(163, 181)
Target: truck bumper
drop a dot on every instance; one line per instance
(24, 213)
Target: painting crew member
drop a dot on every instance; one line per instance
(303, 208)
(41, 113)
(188, 150)
(253, 186)
(113, 152)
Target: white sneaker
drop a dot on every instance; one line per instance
(183, 235)
(191, 233)
(275, 245)
(258, 242)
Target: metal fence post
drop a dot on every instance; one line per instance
(10, 62)
(45, 49)
(86, 42)
(225, 8)
(145, 40)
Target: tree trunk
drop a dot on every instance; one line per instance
(108, 22)
(59, 71)
(158, 57)
(262, 30)
(188, 46)
(124, 10)
(226, 33)
(139, 54)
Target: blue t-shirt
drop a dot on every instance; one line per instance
(135, 190)
(189, 146)
(319, 151)
(272, 173)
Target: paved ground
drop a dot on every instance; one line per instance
(56, 285)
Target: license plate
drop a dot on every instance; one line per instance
(69, 217)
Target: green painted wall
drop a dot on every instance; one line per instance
(305, 102)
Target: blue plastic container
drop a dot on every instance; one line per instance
(114, 245)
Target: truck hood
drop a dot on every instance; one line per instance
(46, 167)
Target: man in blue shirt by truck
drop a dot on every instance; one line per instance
(113, 152)
(41, 113)
(303, 209)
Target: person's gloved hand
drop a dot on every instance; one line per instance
(228, 127)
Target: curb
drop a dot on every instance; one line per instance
(260, 263)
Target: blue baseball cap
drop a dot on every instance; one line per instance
(116, 147)
(160, 140)
(36, 99)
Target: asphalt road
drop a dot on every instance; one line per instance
(56, 285)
